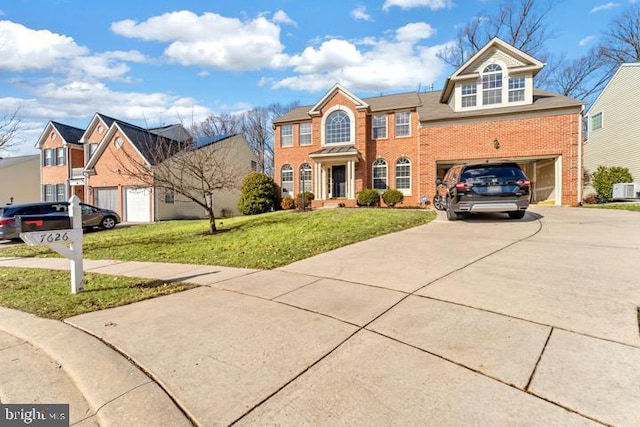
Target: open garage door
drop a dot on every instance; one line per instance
(106, 198)
(138, 204)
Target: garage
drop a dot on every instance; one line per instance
(137, 203)
(545, 174)
(106, 198)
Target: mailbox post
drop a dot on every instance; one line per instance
(56, 240)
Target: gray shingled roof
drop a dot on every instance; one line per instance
(153, 147)
(70, 134)
(430, 108)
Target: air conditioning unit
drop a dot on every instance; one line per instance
(628, 190)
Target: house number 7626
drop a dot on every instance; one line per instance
(54, 237)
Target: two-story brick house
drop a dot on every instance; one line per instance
(488, 110)
(109, 164)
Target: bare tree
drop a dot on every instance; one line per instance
(196, 169)
(622, 39)
(581, 78)
(10, 125)
(521, 23)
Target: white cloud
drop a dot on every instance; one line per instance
(25, 49)
(586, 40)
(280, 17)
(605, 6)
(376, 65)
(211, 40)
(360, 14)
(408, 4)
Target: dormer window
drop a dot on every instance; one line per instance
(469, 94)
(492, 85)
(338, 128)
(516, 89)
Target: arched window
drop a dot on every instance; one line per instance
(305, 178)
(403, 175)
(337, 128)
(286, 176)
(380, 175)
(492, 84)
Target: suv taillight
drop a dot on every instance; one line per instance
(522, 183)
(463, 186)
(6, 221)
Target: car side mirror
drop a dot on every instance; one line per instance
(438, 181)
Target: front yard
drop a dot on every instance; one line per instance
(622, 206)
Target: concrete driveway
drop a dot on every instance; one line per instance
(485, 321)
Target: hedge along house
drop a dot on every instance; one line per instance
(489, 110)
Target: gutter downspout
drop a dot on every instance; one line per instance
(580, 148)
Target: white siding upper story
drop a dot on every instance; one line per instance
(614, 124)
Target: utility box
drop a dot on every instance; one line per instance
(626, 191)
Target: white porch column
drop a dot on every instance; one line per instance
(351, 180)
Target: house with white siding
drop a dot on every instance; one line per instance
(614, 124)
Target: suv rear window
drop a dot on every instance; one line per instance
(505, 172)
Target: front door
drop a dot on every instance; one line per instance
(338, 173)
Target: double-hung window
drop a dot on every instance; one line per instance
(596, 121)
(379, 126)
(380, 175)
(305, 178)
(48, 193)
(305, 133)
(48, 157)
(286, 135)
(60, 156)
(516, 89)
(403, 175)
(61, 192)
(492, 85)
(286, 176)
(403, 123)
(469, 95)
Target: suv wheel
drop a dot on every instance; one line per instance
(451, 215)
(107, 223)
(438, 202)
(516, 214)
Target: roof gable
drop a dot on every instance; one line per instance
(620, 74)
(68, 134)
(98, 119)
(515, 60)
(337, 88)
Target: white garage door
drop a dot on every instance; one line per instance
(138, 205)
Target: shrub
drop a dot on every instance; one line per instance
(260, 194)
(392, 197)
(603, 178)
(368, 197)
(287, 203)
(308, 197)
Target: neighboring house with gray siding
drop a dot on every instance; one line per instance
(614, 124)
(20, 178)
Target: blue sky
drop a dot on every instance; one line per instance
(166, 61)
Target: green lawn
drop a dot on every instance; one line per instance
(47, 293)
(261, 241)
(622, 206)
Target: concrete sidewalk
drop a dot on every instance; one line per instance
(478, 322)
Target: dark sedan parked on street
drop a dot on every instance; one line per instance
(91, 216)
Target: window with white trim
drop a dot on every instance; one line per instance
(403, 123)
(48, 193)
(516, 89)
(379, 126)
(286, 181)
(403, 174)
(305, 133)
(169, 196)
(492, 84)
(92, 149)
(286, 135)
(305, 178)
(61, 193)
(380, 176)
(596, 121)
(337, 128)
(48, 157)
(469, 95)
(60, 156)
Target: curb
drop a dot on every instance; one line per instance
(117, 392)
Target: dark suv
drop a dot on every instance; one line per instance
(484, 187)
(91, 216)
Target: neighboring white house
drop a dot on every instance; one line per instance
(614, 124)
(20, 178)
